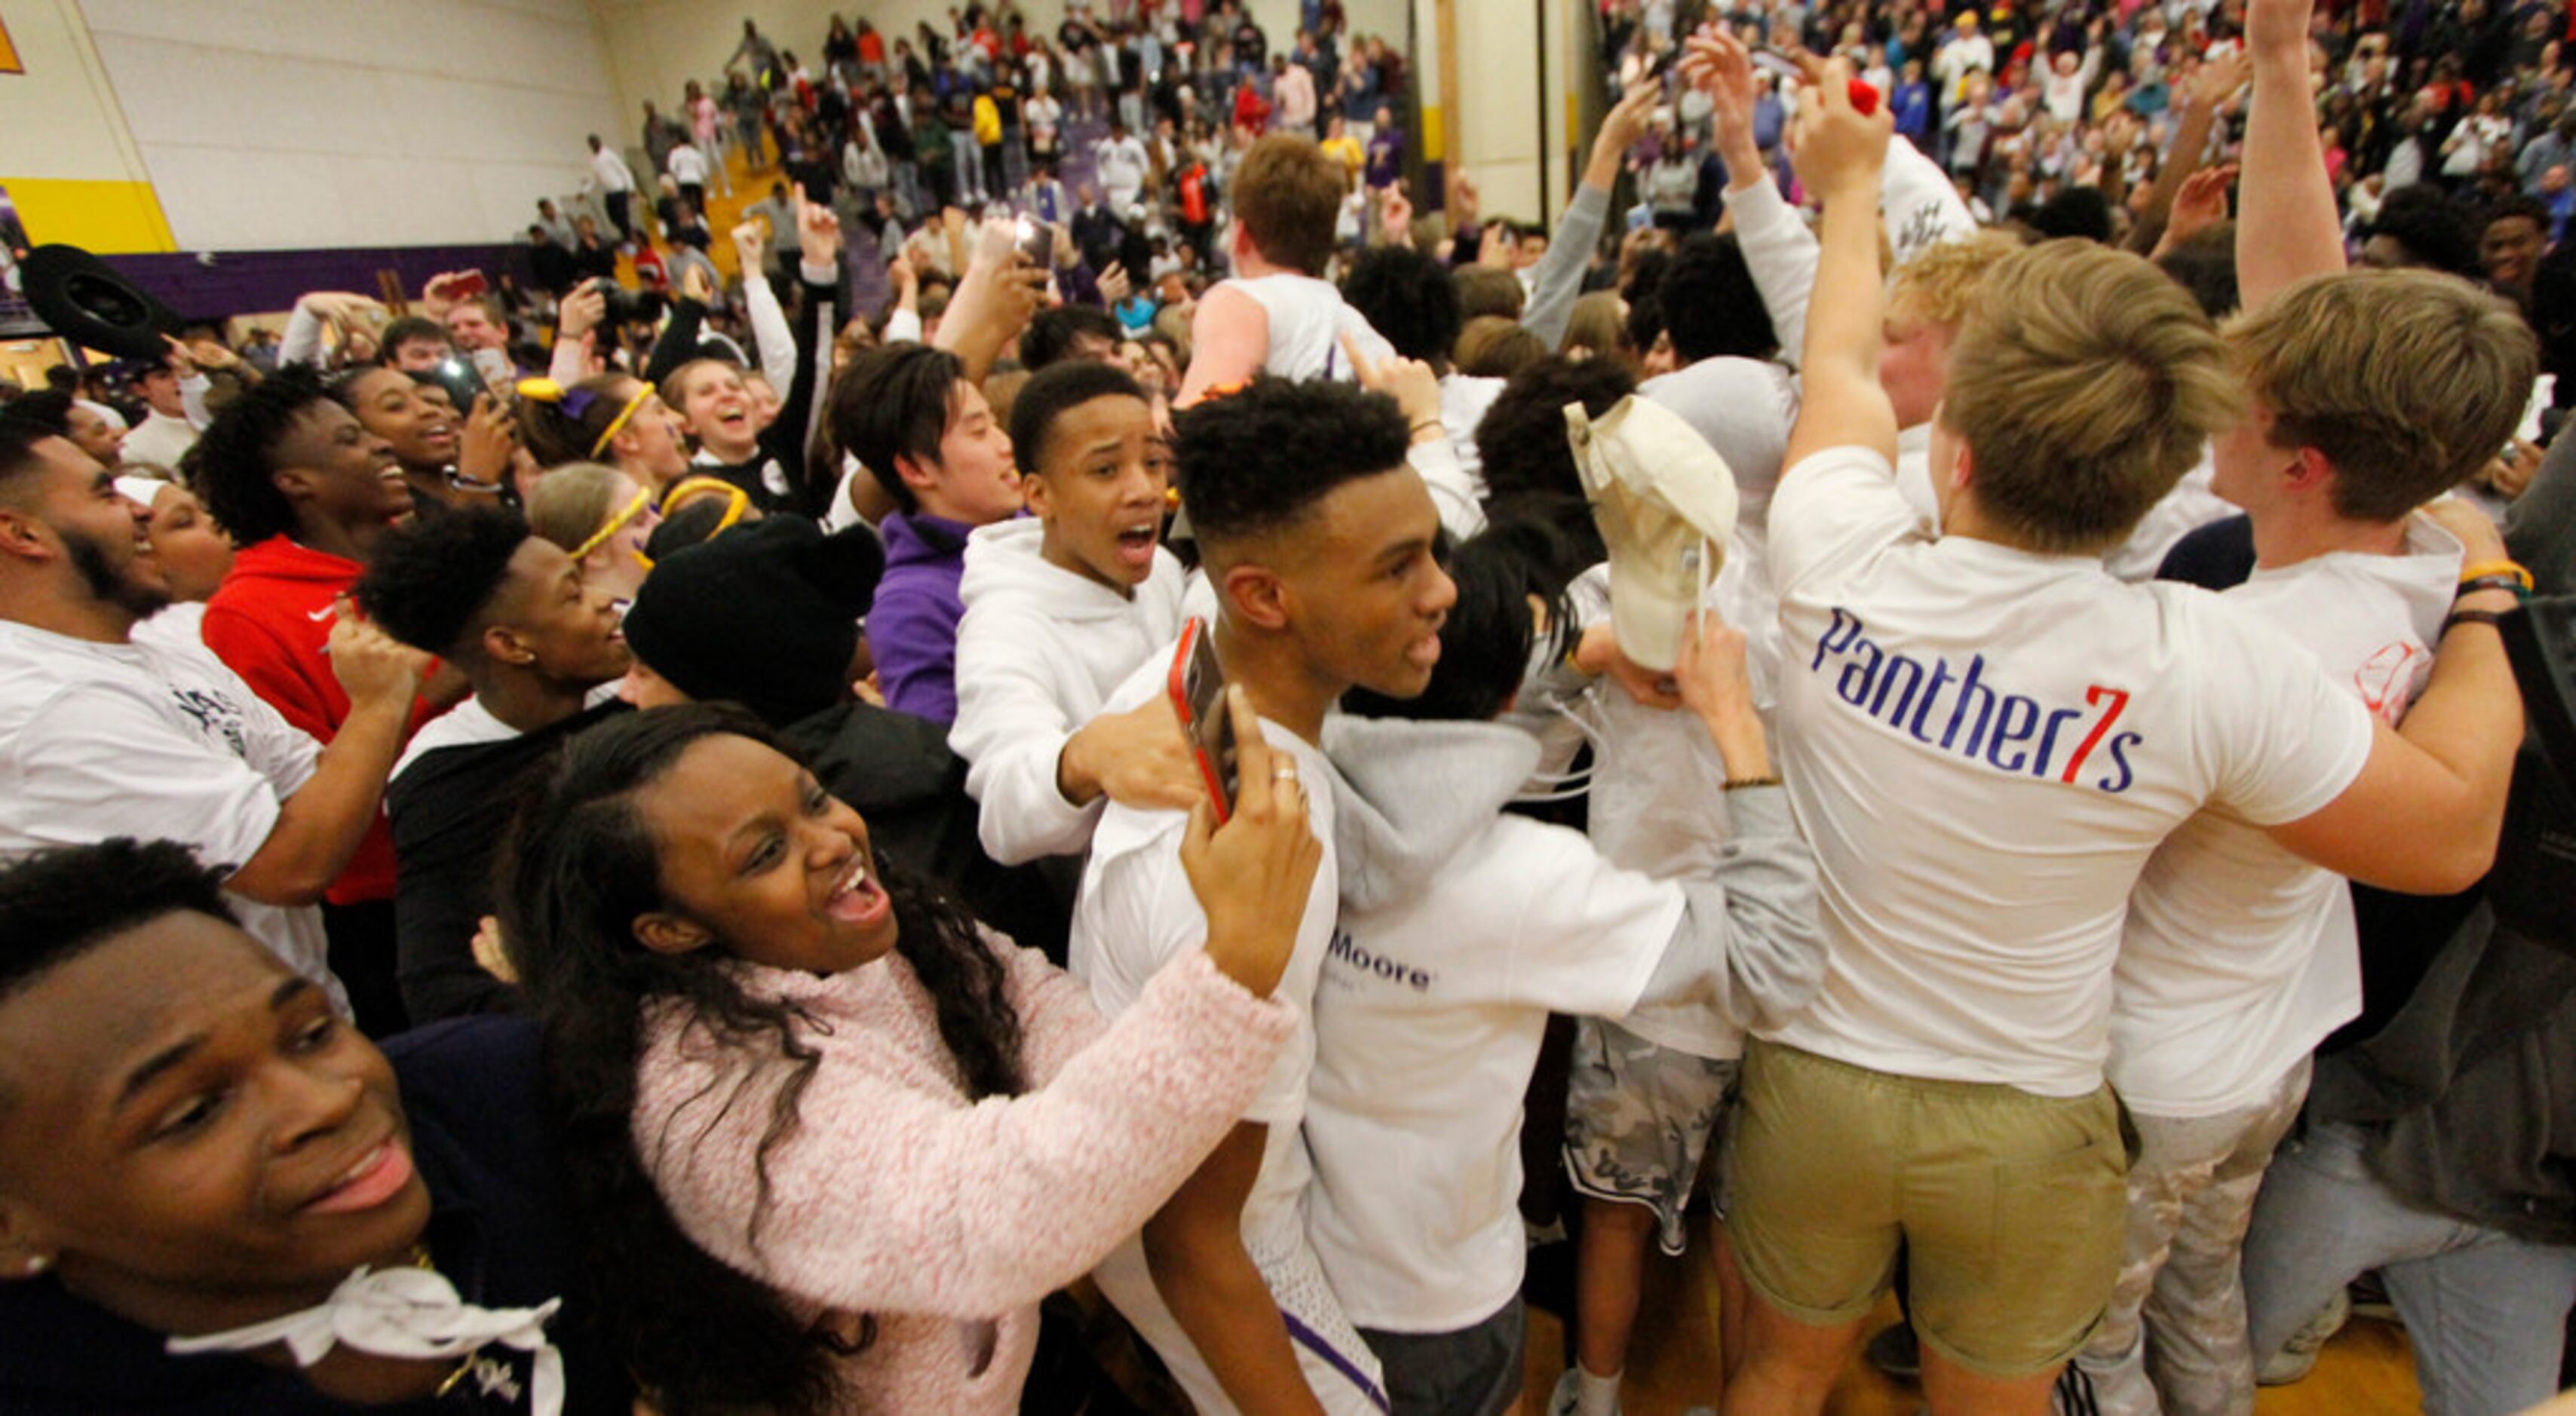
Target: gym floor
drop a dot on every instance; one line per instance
(2365, 1371)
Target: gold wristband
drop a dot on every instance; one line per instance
(2506, 568)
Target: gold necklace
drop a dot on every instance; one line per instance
(420, 1260)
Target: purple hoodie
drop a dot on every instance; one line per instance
(912, 628)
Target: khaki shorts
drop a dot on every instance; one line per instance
(2010, 1206)
(1637, 1120)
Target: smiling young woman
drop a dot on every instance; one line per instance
(808, 1095)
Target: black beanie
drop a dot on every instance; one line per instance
(765, 615)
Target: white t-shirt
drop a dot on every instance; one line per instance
(1122, 165)
(610, 171)
(181, 627)
(1134, 914)
(2188, 507)
(470, 724)
(1465, 399)
(153, 740)
(1307, 319)
(1984, 745)
(2239, 957)
(159, 440)
(1428, 1021)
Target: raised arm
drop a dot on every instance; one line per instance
(770, 334)
(576, 315)
(903, 322)
(2216, 83)
(800, 411)
(1839, 155)
(995, 300)
(1779, 250)
(890, 1200)
(302, 341)
(1560, 272)
(2285, 222)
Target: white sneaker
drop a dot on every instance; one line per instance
(1567, 1396)
(2298, 1356)
(1665, 503)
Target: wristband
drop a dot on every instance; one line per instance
(2506, 568)
(2521, 587)
(2485, 617)
(1739, 783)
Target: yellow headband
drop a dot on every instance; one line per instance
(689, 489)
(577, 401)
(642, 392)
(614, 524)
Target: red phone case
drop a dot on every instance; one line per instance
(1177, 688)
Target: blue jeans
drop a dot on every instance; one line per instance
(2485, 1312)
(967, 161)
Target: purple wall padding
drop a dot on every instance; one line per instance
(255, 282)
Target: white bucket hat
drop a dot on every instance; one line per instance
(1665, 503)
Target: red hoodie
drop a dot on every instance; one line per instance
(269, 622)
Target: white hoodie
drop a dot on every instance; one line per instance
(1038, 653)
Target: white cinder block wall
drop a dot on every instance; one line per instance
(270, 124)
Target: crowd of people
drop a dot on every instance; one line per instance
(1007, 807)
(1123, 128)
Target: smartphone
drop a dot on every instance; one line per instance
(1197, 690)
(1780, 62)
(1864, 99)
(2544, 394)
(499, 374)
(461, 381)
(1037, 242)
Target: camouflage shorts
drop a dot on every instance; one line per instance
(1638, 1118)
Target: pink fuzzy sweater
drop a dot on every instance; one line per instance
(949, 1221)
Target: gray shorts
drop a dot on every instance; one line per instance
(1638, 1118)
(1475, 1371)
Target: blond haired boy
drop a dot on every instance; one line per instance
(2371, 395)
(1986, 737)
